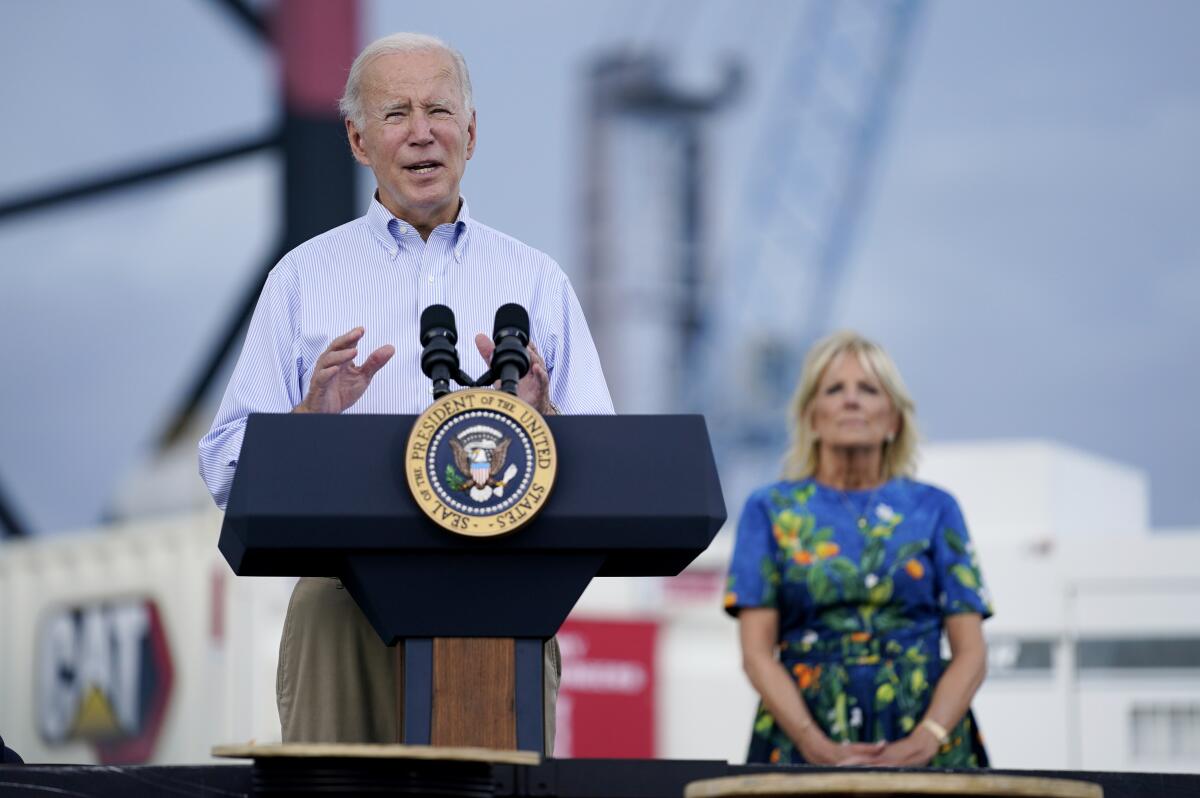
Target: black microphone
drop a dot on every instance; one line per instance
(439, 358)
(510, 360)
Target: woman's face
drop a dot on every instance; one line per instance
(851, 408)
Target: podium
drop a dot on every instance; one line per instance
(325, 495)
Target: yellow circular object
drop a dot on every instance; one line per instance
(854, 784)
(480, 463)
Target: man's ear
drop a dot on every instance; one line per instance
(356, 145)
(471, 136)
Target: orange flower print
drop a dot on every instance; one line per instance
(783, 536)
(803, 557)
(827, 549)
(806, 676)
(915, 569)
(730, 599)
(775, 756)
(860, 637)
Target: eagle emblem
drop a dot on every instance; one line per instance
(481, 467)
(480, 462)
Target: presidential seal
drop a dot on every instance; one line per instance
(480, 462)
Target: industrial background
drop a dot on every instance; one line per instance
(1003, 195)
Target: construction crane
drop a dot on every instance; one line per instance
(800, 216)
(740, 330)
(726, 338)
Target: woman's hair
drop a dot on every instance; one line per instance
(351, 102)
(899, 454)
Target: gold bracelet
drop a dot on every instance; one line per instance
(936, 729)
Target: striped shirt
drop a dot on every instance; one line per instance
(377, 273)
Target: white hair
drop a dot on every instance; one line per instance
(351, 102)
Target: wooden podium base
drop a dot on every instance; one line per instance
(485, 692)
(474, 688)
(858, 783)
(340, 769)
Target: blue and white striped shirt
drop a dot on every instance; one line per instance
(377, 273)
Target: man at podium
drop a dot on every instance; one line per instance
(360, 288)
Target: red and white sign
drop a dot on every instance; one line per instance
(606, 699)
(104, 676)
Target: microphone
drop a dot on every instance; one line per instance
(510, 360)
(439, 358)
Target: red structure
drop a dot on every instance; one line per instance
(606, 701)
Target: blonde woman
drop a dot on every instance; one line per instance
(846, 574)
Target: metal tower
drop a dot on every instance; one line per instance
(644, 224)
(315, 42)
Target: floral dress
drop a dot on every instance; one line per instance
(862, 581)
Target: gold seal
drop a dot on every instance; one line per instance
(480, 463)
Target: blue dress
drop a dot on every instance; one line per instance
(861, 581)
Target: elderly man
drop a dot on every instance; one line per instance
(360, 288)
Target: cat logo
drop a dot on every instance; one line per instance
(103, 677)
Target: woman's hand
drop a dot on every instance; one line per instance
(913, 751)
(818, 749)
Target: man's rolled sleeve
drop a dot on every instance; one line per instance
(267, 379)
(577, 385)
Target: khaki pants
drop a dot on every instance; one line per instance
(337, 680)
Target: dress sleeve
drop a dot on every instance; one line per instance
(959, 584)
(266, 380)
(753, 579)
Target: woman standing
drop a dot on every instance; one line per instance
(846, 574)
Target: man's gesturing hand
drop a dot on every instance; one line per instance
(534, 387)
(336, 382)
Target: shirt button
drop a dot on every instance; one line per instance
(431, 278)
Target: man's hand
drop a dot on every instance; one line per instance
(336, 382)
(534, 387)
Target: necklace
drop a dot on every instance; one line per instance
(861, 517)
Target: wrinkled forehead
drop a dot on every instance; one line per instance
(419, 76)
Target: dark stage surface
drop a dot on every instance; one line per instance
(569, 778)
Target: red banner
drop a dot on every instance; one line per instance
(606, 700)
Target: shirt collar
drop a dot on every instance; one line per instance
(391, 231)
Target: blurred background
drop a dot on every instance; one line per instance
(1004, 196)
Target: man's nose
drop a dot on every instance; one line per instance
(422, 131)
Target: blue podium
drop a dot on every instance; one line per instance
(326, 496)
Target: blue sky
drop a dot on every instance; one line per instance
(1029, 251)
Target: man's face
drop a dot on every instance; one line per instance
(417, 137)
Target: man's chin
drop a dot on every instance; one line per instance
(416, 208)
